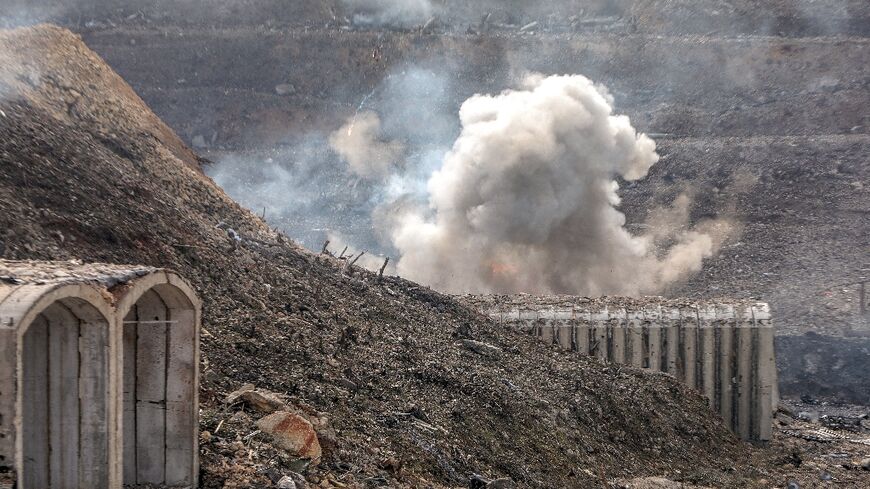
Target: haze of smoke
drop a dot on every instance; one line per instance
(304, 190)
(359, 143)
(310, 190)
(400, 13)
(526, 201)
(369, 260)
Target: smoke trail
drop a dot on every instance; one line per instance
(527, 200)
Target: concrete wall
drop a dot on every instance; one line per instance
(725, 351)
(63, 363)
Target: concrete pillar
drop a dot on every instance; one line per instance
(564, 324)
(151, 315)
(63, 394)
(744, 377)
(765, 375)
(129, 327)
(634, 335)
(672, 338)
(600, 320)
(34, 415)
(726, 316)
(581, 331)
(653, 317)
(8, 393)
(181, 407)
(689, 333)
(94, 408)
(707, 335)
(618, 325)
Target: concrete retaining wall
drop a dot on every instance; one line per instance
(723, 350)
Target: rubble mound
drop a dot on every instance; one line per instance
(404, 386)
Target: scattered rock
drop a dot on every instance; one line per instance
(327, 437)
(865, 464)
(260, 400)
(292, 433)
(477, 481)
(299, 480)
(285, 89)
(286, 483)
(482, 348)
(654, 483)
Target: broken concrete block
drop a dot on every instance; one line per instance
(292, 433)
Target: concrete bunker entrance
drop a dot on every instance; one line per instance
(64, 391)
(159, 386)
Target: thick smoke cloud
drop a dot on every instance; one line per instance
(404, 13)
(527, 200)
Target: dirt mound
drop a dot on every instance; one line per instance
(53, 68)
(88, 172)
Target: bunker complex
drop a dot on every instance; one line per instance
(99, 383)
(723, 348)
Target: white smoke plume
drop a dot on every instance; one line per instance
(359, 142)
(526, 201)
(400, 13)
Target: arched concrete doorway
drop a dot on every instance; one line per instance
(59, 338)
(159, 379)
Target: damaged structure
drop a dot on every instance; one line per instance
(99, 384)
(724, 349)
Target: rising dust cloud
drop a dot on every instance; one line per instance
(526, 202)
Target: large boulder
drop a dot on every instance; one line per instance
(292, 433)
